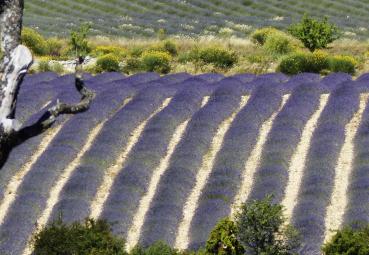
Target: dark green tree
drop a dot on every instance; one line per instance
(314, 34)
(88, 238)
(262, 229)
(78, 40)
(348, 241)
(223, 239)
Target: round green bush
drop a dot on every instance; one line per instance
(260, 36)
(294, 64)
(108, 63)
(156, 61)
(132, 65)
(278, 44)
(170, 47)
(88, 238)
(345, 64)
(348, 242)
(223, 239)
(34, 41)
(219, 57)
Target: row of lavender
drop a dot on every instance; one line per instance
(148, 92)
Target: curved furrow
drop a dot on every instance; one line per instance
(81, 188)
(163, 218)
(44, 173)
(357, 208)
(338, 201)
(202, 177)
(298, 160)
(225, 179)
(272, 175)
(318, 179)
(131, 182)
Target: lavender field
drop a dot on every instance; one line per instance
(166, 157)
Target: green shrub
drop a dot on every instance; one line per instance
(348, 242)
(157, 248)
(110, 49)
(44, 66)
(220, 58)
(345, 64)
(314, 34)
(223, 239)
(156, 61)
(132, 65)
(260, 36)
(34, 41)
(261, 229)
(300, 62)
(108, 63)
(136, 52)
(78, 40)
(88, 238)
(162, 34)
(54, 47)
(170, 47)
(278, 44)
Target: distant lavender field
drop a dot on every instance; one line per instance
(128, 155)
(142, 18)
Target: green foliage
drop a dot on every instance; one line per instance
(170, 47)
(261, 231)
(345, 64)
(88, 238)
(136, 52)
(110, 49)
(260, 36)
(314, 34)
(34, 41)
(348, 241)
(54, 47)
(157, 248)
(78, 40)
(156, 61)
(108, 63)
(132, 65)
(223, 239)
(278, 44)
(304, 62)
(162, 34)
(220, 58)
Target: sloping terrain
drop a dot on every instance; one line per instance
(165, 157)
(193, 17)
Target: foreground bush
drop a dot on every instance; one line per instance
(314, 34)
(348, 242)
(223, 239)
(34, 41)
(107, 63)
(88, 238)
(260, 35)
(278, 44)
(345, 64)
(220, 58)
(262, 229)
(156, 61)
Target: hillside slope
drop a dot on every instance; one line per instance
(165, 158)
(193, 17)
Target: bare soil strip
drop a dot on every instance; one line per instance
(336, 209)
(64, 177)
(208, 160)
(139, 218)
(112, 172)
(253, 161)
(11, 190)
(298, 160)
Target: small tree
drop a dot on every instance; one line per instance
(348, 241)
(78, 40)
(262, 229)
(314, 34)
(223, 239)
(88, 238)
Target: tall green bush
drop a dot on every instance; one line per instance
(78, 40)
(34, 41)
(261, 229)
(348, 241)
(156, 61)
(314, 34)
(223, 239)
(88, 238)
(108, 63)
